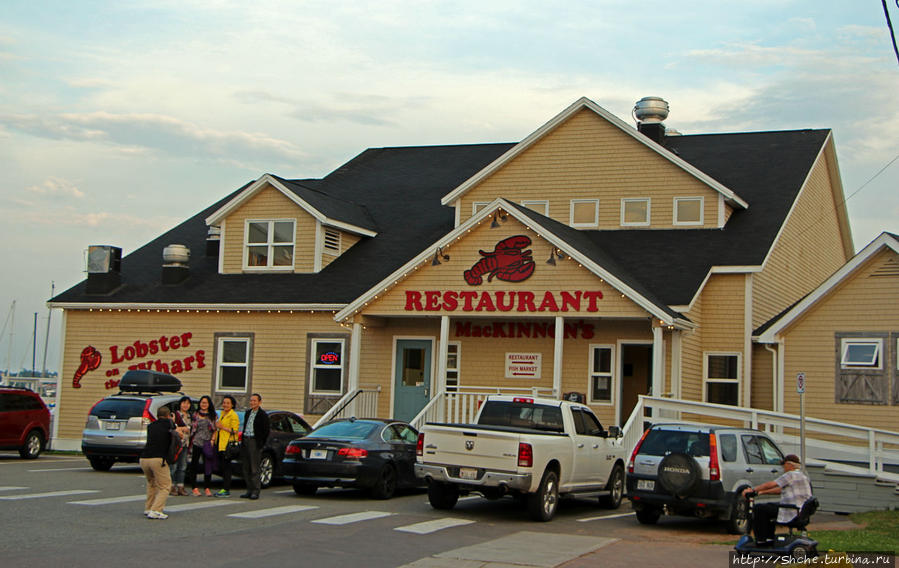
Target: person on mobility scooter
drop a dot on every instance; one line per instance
(794, 509)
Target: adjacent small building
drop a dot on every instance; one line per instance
(592, 258)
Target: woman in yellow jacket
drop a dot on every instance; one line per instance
(228, 426)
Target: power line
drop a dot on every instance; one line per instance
(886, 13)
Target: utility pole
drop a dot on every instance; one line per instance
(34, 344)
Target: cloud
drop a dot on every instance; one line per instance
(160, 133)
(56, 186)
(111, 222)
(368, 110)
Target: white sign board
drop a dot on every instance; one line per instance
(523, 365)
(800, 383)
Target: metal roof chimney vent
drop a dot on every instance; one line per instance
(174, 268)
(104, 269)
(649, 112)
(213, 240)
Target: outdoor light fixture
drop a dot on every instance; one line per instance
(553, 254)
(497, 217)
(438, 254)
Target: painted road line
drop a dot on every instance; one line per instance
(111, 500)
(204, 505)
(64, 460)
(284, 492)
(272, 512)
(353, 518)
(601, 517)
(49, 494)
(12, 488)
(61, 469)
(428, 527)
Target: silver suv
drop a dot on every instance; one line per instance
(116, 427)
(699, 470)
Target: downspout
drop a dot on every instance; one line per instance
(747, 342)
(774, 358)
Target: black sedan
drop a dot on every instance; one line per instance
(372, 454)
(286, 426)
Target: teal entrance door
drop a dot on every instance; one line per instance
(412, 382)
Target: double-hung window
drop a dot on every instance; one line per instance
(232, 367)
(722, 378)
(269, 244)
(601, 361)
(327, 366)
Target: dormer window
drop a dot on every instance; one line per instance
(269, 244)
(332, 241)
(635, 212)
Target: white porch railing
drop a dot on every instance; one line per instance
(871, 445)
(462, 406)
(362, 402)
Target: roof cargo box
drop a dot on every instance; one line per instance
(149, 381)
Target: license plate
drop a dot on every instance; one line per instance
(113, 426)
(646, 484)
(318, 454)
(468, 473)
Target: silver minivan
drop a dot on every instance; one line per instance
(699, 470)
(116, 427)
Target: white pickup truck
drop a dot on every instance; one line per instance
(532, 447)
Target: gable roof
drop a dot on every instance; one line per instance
(561, 118)
(570, 241)
(768, 332)
(325, 208)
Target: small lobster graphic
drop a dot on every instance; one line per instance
(508, 262)
(90, 360)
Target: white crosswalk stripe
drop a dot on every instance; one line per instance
(272, 512)
(601, 517)
(60, 469)
(202, 505)
(12, 488)
(110, 500)
(352, 518)
(428, 527)
(48, 494)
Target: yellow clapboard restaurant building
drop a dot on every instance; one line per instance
(591, 257)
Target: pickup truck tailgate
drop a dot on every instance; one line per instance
(471, 447)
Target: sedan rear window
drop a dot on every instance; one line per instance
(662, 442)
(355, 430)
(111, 408)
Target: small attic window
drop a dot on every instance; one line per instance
(539, 205)
(688, 210)
(332, 241)
(635, 212)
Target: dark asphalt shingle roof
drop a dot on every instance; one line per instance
(397, 192)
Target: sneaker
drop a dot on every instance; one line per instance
(196, 492)
(157, 515)
(223, 493)
(208, 493)
(147, 513)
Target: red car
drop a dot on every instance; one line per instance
(24, 422)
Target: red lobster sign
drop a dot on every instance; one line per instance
(90, 360)
(508, 262)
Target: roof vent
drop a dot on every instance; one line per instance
(213, 240)
(104, 266)
(174, 268)
(649, 112)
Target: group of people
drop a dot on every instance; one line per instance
(204, 436)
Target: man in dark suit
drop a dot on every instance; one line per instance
(256, 428)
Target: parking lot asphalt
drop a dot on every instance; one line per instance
(103, 509)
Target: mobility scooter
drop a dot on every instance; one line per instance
(796, 546)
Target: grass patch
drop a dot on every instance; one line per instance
(879, 533)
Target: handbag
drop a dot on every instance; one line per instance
(232, 450)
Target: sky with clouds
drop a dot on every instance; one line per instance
(119, 120)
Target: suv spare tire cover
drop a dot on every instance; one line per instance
(679, 474)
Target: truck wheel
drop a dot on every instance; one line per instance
(615, 487)
(542, 504)
(648, 515)
(738, 522)
(442, 495)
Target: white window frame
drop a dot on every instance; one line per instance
(644, 223)
(478, 205)
(270, 244)
(701, 220)
(705, 373)
(533, 204)
(593, 374)
(845, 342)
(329, 250)
(313, 365)
(594, 223)
(457, 345)
(219, 363)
